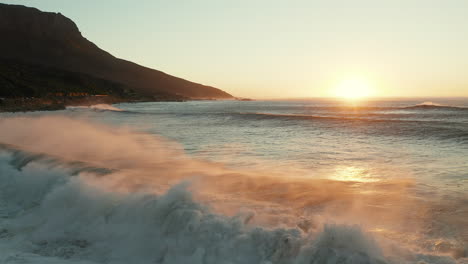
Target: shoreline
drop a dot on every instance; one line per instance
(28, 104)
(15, 105)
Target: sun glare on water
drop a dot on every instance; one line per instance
(353, 89)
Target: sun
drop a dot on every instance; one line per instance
(353, 89)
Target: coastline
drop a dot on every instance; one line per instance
(30, 104)
(12, 105)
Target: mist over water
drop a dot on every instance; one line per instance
(236, 182)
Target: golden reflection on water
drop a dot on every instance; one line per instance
(353, 174)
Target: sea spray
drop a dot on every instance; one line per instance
(132, 214)
(66, 218)
(96, 107)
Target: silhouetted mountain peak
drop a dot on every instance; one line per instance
(53, 40)
(33, 21)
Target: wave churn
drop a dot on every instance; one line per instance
(151, 203)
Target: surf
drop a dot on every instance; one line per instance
(74, 196)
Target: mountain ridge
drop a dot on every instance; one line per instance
(53, 40)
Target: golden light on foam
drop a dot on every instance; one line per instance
(354, 88)
(351, 173)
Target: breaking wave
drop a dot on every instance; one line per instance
(99, 194)
(431, 105)
(323, 117)
(97, 107)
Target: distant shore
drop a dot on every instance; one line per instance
(31, 104)
(51, 104)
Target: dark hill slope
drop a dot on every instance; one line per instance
(19, 79)
(51, 39)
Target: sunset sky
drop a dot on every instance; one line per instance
(286, 49)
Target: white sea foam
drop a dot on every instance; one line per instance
(51, 214)
(428, 103)
(55, 211)
(101, 107)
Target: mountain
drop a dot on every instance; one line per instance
(53, 41)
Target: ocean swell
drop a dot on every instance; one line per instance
(154, 204)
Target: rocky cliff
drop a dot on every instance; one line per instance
(53, 40)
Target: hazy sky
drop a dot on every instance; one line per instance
(288, 48)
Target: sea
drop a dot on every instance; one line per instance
(300, 181)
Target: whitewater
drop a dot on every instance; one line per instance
(236, 182)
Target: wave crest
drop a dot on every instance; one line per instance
(156, 205)
(97, 107)
(431, 105)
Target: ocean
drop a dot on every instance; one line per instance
(274, 181)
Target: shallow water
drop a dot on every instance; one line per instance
(255, 182)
